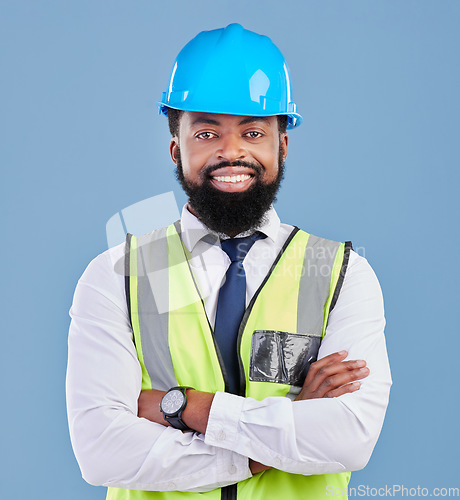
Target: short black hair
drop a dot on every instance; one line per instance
(175, 114)
(173, 121)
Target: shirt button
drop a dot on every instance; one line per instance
(277, 461)
(171, 486)
(221, 436)
(232, 469)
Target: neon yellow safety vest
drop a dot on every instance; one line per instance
(176, 346)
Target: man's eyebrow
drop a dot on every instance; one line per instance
(250, 119)
(208, 121)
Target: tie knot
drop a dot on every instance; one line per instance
(237, 248)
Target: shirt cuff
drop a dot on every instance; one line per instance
(230, 468)
(224, 418)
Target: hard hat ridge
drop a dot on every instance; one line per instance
(231, 71)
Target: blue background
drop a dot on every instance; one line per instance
(376, 161)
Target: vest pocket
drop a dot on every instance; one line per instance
(282, 357)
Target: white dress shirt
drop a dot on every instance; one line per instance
(116, 448)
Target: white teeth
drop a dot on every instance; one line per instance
(232, 178)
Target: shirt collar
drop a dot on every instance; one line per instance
(193, 230)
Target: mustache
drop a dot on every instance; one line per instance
(237, 163)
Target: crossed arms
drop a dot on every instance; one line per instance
(329, 377)
(115, 447)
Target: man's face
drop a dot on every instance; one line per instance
(230, 166)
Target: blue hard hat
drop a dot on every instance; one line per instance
(231, 71)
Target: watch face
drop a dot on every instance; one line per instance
(172, 402)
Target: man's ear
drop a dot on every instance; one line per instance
(174, 148)
(284, 141)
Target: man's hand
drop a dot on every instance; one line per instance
(331, 377)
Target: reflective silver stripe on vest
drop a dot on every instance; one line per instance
(315, 284)
(153, 303)
(314, 289)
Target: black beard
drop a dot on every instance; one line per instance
(231, 213)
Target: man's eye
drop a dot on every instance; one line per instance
(254, 134)
(205, 135)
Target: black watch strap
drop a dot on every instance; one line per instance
(177, 423)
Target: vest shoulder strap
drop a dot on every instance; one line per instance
(348, 247)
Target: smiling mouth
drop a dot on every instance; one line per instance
(232, 178)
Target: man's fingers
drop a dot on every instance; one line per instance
(331, 358)
(325, 372)
(336, 357)
(345, 389)
(332, 376)
(334, 382)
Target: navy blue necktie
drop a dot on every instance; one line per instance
(231, 306)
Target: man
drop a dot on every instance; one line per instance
(192, 349)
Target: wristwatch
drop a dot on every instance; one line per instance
(173, 405)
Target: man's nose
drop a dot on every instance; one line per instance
(231, 147)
